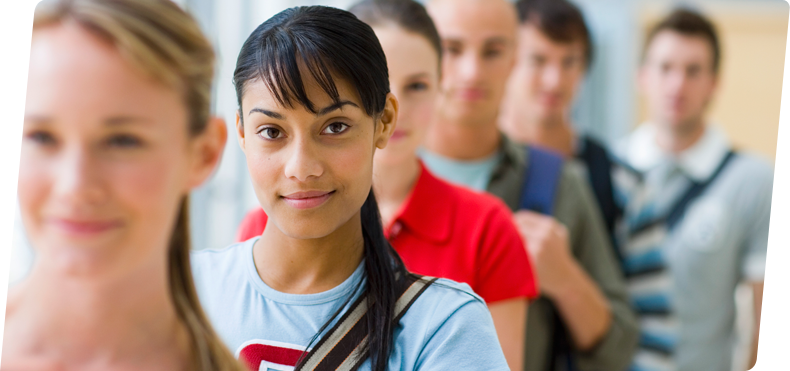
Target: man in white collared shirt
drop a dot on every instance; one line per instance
(700, 225)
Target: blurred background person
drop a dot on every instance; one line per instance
(554, 54)
(116, 133)
(701, 226)
(582, 319)
(438, 229)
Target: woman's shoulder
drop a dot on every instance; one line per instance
(458, 290)
(449, 327)
(9, 303)
(442, 300)
(229, 259)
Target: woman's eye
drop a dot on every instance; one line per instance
(271, 133)
(491, 53)
(335, 128)
(124, 141)
(41, 137)
(537, 61)
(452, 50)
(417, 86)
(570, 63)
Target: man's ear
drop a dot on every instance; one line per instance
(207, 150)
(240, 129)
(387, 121)
(716, 82)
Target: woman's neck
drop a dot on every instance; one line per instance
(393, 183)
(309, 266)
(97, 322)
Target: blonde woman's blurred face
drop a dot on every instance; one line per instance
(105, 157)
(414, 78)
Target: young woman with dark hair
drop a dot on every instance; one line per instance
(314, 106)
(437, 228)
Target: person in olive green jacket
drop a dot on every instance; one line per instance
(583, 320)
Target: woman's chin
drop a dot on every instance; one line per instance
(83, 262)
(308, 228)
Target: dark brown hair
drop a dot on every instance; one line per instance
(688, 23)
(409, 15)
(333, 44)
(560, 20)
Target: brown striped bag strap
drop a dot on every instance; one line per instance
(341, 347)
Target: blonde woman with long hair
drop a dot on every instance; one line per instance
(117, 132)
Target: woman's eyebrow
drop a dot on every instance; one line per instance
(321, 112)
(125, 120)
(418, 75)
(271, 114)
(335, 106)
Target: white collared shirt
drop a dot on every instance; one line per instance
(720, 241)
(699, 161)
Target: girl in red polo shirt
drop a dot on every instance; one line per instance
(437, 228)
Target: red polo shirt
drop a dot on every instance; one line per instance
(443, 230)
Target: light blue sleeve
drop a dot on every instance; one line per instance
(461, 339)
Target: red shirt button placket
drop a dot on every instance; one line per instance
(395, 230)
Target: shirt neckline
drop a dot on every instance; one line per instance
(698, 161)
(428, 191)
(340, 291)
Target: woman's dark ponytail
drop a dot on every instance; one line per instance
(384, 269)
(332, 43)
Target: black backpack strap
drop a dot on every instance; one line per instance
(599, 172)
(341, 348)
(679, 208)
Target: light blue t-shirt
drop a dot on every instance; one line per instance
(447, 328)
(473, 174)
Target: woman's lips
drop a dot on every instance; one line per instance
(307, 200)
(471, 94)
(84, 227)
(551, 100)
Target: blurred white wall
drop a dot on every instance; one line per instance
(14, 254)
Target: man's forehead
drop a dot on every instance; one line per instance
(672, 44)
(531, 34)
(480, 19)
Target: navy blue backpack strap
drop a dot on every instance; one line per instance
(695, 191)
(677, 210)
(541, 178)
(538, 193)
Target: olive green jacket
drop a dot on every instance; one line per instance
(574, 207)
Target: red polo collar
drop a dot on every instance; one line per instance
(428, 211)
